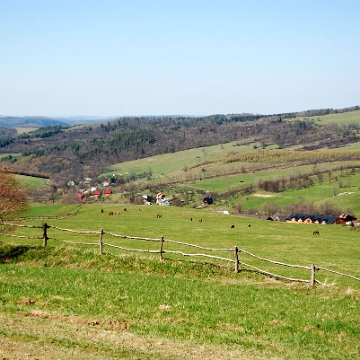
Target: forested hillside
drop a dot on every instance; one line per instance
(87, 150)
(35, 121)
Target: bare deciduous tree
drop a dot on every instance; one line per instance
(13, 197)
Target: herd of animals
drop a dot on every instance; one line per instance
(353, 225)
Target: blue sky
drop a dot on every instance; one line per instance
(176, 57)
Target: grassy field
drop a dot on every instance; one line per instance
(23, 129)
(68, 301)
(351, 117)
(31, 181)
(289, 243)
(162, 165)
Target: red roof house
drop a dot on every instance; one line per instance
(97, 193)
(108, 192)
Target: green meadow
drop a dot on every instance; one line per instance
(68, 301)
(165, 164)
(351, 117)
(32, 181)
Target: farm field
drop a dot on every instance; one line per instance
(267, 239)
(67, 300)
(165, 164)
(31, 181)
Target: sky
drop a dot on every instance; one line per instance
(177, 57)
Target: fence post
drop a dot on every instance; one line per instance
(161, 248)
(100, 241)
(312, 281)
(236, 259)
(45, 238)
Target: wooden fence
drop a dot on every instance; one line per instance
(235, 251)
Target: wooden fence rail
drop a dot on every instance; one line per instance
(312, 268)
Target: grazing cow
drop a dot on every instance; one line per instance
(116, 213)
(139, 209)
(111, 213)
(249, 225)
(158, 216)
(190, 219)
(200, 220)
(232, 226)
(102, 210)
(316, 232)
(125, 209)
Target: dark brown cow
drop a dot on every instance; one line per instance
(316, 232)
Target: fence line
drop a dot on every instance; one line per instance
(339, 273)
(131, 237)
(24, 236)
(274, 275)
(73, 231)
(204, 255)
(74, 242)
(196, 246)
(128, 249)
(275, 262)
(161, 251)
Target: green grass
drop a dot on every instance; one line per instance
(351, 117)
(165, 164)
(31, 181)
(290, 243)
(71, 301)
(86, 301)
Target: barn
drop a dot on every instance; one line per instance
(311, 219)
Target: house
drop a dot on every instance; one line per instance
(311, 219)
(277, 217)
(80, 196)
(97, 193)
(345, 219)
(208, 200)
(108, 192)
(164, 202)
(106, 183)
(161, 199)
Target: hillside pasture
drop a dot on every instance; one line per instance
(351, 117)
(24, 129)
(323, 188)
(166, 164)
(337, 248)
(32, 181)
(129, 310)
(68, 301)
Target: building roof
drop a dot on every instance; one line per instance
(277, 217)
(320, 218)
